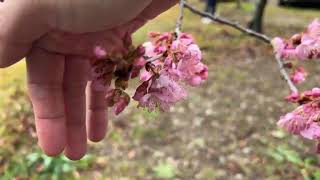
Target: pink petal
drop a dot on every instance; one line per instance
(121, 104)
(100, 52)
(145, 76)
(312, 132)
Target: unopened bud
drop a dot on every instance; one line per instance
(122, 84)
(296, 39)
(288, 65)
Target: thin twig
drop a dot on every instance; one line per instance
(285, 75)
(180, 17)
(157, 57)
(225, 21)
(249, 32)
(177, 31)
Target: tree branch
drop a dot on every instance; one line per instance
(227, 22)
(247, 31)
(180, 17)
(285, 75)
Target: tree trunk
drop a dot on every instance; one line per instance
(257, 22)
(238, 4)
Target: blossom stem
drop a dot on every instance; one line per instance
(180, 18)
(285, 75)
(157, 57)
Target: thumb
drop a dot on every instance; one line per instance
(11, 53)
(21, 23)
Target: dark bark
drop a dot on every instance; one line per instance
(256, 23)
(238, 4)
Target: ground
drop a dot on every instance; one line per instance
(226, 129)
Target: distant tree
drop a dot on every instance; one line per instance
(257, 21)
(238, 4)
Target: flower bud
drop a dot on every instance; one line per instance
(121, 84)
(296, 39)
(121, 104)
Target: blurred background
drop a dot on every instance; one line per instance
(226, 129)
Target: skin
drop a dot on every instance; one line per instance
(57, 38)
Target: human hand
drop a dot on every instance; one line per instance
(58, 49)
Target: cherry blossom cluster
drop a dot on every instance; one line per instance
(304, 120)
(117, 69)
(164, 78)
(303, 46)
(168, 63)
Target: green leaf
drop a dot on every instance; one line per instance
(66, 168)
(32, 158)
(276, 155)
(278, 134)
(309, 161)
(57, 171)
(316, 175)
(291, 155)
(151, 114)
(47, 161)
(165, 170)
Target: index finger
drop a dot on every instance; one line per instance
(45, 86)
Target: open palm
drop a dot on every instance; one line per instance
(58, 38)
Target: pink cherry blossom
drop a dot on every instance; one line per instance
(160, 49)
(121, 104)
(145, 75)
(163, 78)
(102, 74)
(117, 99)
(186, 62)
(316, 92)
(293, 122)
(314, 29)
(137, 66)
(303, 120)
(298, 76)
(308, 49)
(293, 97)
(100, 52)
(312, 132)
(162, 92)
(142, 90)
(302, 46)
(283, 49)
(162, 84)
(149, 49)
(312, 94)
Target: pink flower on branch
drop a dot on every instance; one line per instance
(118, 99)
(159, 92)
(298, 76)
(100, 52)
(303, 121)
(293, 97)
(304, 97)
(167, 64)
(302, 46)
(164, 77)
